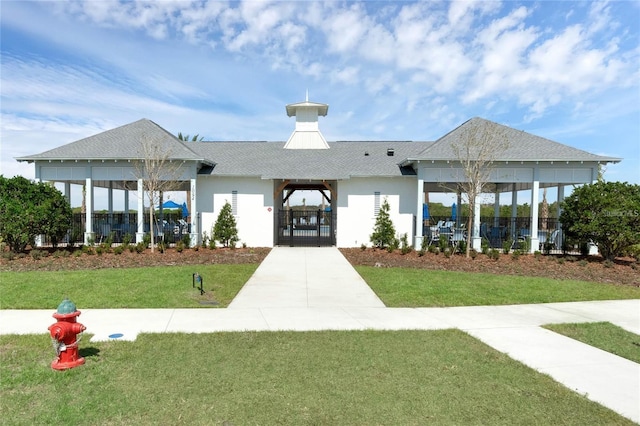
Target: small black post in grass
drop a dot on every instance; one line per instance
(198, 279)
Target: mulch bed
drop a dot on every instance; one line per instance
(624, 271)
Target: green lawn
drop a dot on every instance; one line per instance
(157, 287)
(404, 287)
(332, 378)
(603, 335)
(171, 287)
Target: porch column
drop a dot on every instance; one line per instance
(110, 205)
(88, 230)
(514, 212)
(535, 197)
(195, 216)
(458, 210)
(496, 209)
(125, 226)
(419, 219)
(140, 231)
(560, 240)
(67, 192)
(476, 238)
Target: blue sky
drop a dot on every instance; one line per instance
(389, 70)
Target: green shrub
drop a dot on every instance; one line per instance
(141, 247)
(494, 254)
(506, 246)
(383, 232)
(38, 254)
(179, 246)
(473, 253)
(484, 246)
(363, 247)
(225, 229)
(118, 250)
(9, 255)
(405, 247)
(127, 239)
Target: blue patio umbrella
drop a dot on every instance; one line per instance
(185, 210)
(169, 204)
(454, 212)
(425, 211)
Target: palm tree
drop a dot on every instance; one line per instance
(187, 138)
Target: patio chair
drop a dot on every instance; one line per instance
(434, 234)
(458, 236)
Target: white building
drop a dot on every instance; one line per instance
(354, 177)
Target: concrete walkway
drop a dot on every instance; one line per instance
(305, 278)
(316, 289)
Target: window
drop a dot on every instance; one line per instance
(376, 203)
(234, 203)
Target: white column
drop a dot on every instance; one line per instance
(476, 238)
(88, 230)
(535, 199)
(195, 236)
(559, 238)
(496, 209)
(514, 212)
(67, 192)
(110, 198)
(417, 244)
(140, 231)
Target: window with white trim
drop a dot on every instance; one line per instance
(234, 203)
(376, 203)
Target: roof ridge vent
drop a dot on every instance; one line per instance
(391, 152)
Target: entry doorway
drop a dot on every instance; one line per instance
(302, 225)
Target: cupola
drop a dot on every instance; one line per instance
(307, 134)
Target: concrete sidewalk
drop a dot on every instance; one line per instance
(296, 289)
(305, 278)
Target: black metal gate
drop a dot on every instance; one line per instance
(306, 228)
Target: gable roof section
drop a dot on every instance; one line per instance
(122, 143)
(342, 160)
(523, 146)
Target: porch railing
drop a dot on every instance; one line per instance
(119, 227)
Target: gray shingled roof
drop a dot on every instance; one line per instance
(268, 160)
(123, 142)
(342, 160)
(523, 146)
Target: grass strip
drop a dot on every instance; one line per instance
(355, 377)
(603, 335)
(150, 287)
(405, 287)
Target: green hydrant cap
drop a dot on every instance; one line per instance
(66, 307)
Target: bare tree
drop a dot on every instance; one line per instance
(159, 174)
(476, 148)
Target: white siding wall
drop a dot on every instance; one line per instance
(356, 201)
(255, 199)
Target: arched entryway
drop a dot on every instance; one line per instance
(305, 227)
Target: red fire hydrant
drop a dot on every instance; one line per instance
(63, 336)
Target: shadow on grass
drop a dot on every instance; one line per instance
(89, 352)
